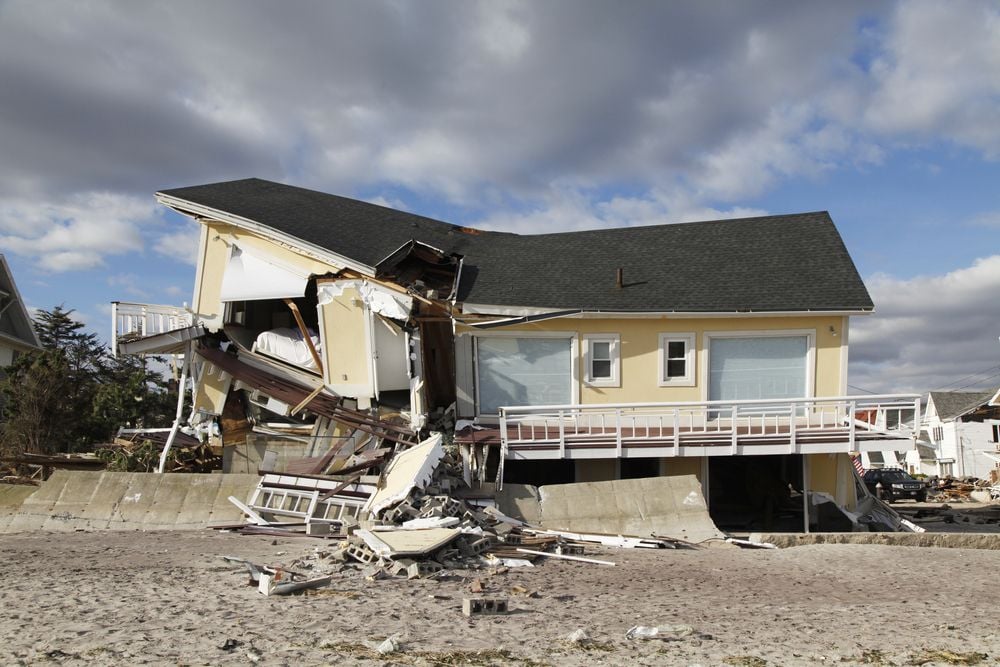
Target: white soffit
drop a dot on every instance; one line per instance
(251, 276)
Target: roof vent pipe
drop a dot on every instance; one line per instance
(619, 278)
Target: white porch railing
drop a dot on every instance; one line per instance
(805, 425)
(137, 320)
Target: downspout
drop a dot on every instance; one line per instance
(180, 408)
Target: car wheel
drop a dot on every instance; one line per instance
(921, 498)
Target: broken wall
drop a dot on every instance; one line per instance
(217, 238)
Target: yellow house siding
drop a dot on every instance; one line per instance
(210, 393)
(833, 474)
(683, 465)
(639, 344)
(346, 351)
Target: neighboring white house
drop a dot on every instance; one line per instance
(17, 334)
(959, 435)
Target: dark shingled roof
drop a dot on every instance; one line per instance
(771, 263)
(953, 404)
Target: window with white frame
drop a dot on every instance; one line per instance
(676, 356)
(523, 370)
(602, 361)
(938, 433)
(996, 432)
(759, 365)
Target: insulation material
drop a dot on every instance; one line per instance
(253, 277)
(379, 300)
(412, 469)
(652, 506)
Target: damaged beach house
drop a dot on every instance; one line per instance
(327, 337)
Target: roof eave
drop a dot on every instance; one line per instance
(200, 211)
(586, 313)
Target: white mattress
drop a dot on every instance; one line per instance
(288, 345)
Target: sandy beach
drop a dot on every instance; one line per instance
(169, 598)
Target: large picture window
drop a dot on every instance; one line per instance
(523, 371)
(758, 367)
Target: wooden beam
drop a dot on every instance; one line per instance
(305, 334)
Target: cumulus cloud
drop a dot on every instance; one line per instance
(516, 115)
(939, 74)
(181, 245)
(77, 233)
(929, 331)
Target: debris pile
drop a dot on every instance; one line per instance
(141, 453)
(951, 490)
(417, 521)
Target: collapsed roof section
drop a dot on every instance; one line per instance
(768, 264)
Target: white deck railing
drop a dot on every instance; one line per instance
(137, 320)
(841, 422)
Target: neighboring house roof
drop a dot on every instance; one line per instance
(16, 328)
(953, 404)
(764, 264)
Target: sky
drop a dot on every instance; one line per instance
(526, 117)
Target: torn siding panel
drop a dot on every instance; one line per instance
(211, 388)
(347, 345)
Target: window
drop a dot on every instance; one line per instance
(523, 371)
(602, 362)
(996, 432)
(938, 433)
(759, 366)
(676, 360)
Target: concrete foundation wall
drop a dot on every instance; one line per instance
(71, 501)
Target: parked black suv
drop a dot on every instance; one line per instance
(896, 484)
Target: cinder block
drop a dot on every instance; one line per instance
(401, 566)
(482, 606)
(317, 528)
(362, 554)
(570, 549)
(474, 547)
(422, 569)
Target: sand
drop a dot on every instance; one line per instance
(169, 598)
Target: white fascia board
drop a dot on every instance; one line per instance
(519, 311)
(18, 344)
(19, 304)
(311, 250)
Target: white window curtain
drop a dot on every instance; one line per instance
(252, 276)
(523, 371)
(757, 368)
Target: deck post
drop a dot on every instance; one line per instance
(805, 494)
(618, 431)
(562, 435)
(732, 426)
(677, 432)
(851, 426)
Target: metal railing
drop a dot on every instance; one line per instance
(137, 320)
(843, 420)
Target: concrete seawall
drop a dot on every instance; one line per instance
(71, 500)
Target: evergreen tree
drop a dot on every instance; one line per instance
(73, 393)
